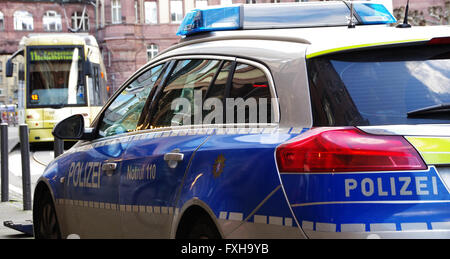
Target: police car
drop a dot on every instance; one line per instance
(266, 121)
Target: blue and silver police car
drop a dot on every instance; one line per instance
(266, 121)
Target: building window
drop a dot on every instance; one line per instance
(152, 51)
(52, 21)
(201, 3)
(2, 25)
(136, 11)
(226, 2)
(176, 11)
(79, 22)
(116, 12)
(151, 12)
(23, 21)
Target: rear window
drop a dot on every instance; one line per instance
(380, 87)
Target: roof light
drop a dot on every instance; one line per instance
(282, 15)
(371, 13)
(211, 19)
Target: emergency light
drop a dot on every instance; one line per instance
(285, 15)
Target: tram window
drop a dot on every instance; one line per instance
(94, 88)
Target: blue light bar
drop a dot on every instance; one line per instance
(286, 15)
(371, 13)
(211, 19)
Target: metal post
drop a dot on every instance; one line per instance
(58, 147)
(4, 158)
(26, 178)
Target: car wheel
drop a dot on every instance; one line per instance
(203, 228)
(46, 223)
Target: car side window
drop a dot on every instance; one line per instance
(180, 102)
(250, 93)
(124, 112)
(213, 110)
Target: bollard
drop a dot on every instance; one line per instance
(4, 163)
(58, 147)
(26, 178)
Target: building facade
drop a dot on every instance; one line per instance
(20, 18)
(423, 12)
(131, 32)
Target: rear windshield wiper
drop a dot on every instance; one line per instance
(440, 108)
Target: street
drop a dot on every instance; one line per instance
(12, 210)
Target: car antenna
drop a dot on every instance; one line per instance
(351, 23)
(405, 21)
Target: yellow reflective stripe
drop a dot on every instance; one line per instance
(328, 51)
(436, 159)
(434, 150)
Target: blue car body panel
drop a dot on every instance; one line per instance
(236, 175)
(233, 172)
(368, 198)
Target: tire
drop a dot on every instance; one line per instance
(45, 222)
(203, 228)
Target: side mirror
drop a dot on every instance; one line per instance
(72, 128)
(9, 68)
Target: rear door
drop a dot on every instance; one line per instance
(234, 173)
(157, 158)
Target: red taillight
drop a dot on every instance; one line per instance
(347, 150)
(439, 41)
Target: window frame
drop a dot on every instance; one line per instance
(169, 65)
(153, 52)
(97, 121)
(85, 22)
(53, 18)
(149, 15)
(200, 3)
(234, 60)
(2, 21)
(174, 13)
(226, 2)
(116, 9)
(21, 14)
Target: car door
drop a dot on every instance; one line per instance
(93, 167)
(157, 158)
(234, 172)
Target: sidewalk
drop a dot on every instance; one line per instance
(13, 210)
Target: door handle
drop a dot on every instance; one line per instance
(173, 157)
(109, 168)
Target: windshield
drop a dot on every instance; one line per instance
(55, 77)
(380, 87)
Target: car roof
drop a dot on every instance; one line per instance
(329, 40)
(281, 50)
(326, 40)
